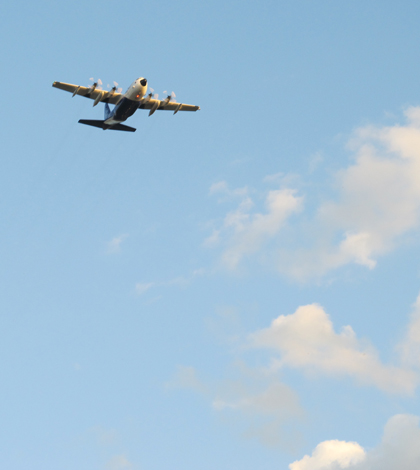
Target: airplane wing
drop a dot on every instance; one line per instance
(88, 92)
(163, 105)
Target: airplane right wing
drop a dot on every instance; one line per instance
(165, 105)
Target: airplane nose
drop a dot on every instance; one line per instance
(143, 82)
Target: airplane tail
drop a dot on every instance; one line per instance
(107, 111)
(102, 125)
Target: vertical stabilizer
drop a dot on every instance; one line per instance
(107, 111)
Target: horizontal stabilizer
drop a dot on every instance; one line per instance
(102, 125)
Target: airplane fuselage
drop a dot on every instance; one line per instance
(129, 103)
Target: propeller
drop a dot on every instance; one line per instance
(153, 95)
(171, 97)
(96, 85)
(114, 89)
(119, 90)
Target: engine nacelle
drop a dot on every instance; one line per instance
(76, 91)
(98, 98)
(154, 107)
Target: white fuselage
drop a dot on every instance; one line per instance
(129, 102)
(136, 90)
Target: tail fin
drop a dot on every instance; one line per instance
(102, 125)
(107, 111)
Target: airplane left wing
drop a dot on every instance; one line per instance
(90, 92)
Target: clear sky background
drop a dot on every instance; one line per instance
(228, 289)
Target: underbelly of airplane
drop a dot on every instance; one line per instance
(124, 109)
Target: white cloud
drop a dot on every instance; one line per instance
(104, 436)
(274, 178)
(219, 187)
(410, 346)
(377, 204)
(142, 287)
(246, 232)
(399, 449)
(186, 377)
(119, 462)
(222, 188)
(261, 407)
(330, 455)
(277, 399)
(306, 340)
(267, 411)
(114, 246)
(180, 281)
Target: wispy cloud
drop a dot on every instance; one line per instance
(142, 287)
(223, 189)
(119, 462)
(409, 347)
(260, 407)
(104, 436)
(180, 281)
(245, 232)
(114, 246)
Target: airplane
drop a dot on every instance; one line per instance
(125, 104)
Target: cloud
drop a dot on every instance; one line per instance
(409, 348)
(306, 340)
(222, 188)
(380, 194)
(377, 204)
(246, 232)
(186, 377)
(114, 246)
(260, 407)
(329, 455)
(399, 449)
(270, 401)
(119, 462)
(104, 436)
(267, 411)
(142, 287)
(378, 201)
(180, 281)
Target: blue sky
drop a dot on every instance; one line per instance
(234, 288)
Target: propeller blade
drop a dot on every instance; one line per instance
(97, 84)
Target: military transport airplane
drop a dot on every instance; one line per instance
(125, 104)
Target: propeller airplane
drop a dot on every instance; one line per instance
(126, 104)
